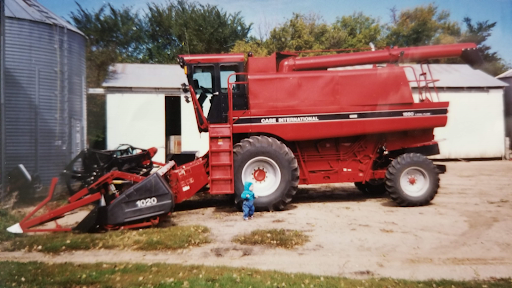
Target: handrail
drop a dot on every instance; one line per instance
(432, 81)
(423, 85)
(198, 111)
(230, 94)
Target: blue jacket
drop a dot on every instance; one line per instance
(247, 194)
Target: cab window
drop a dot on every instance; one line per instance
(225, 71)
(203, 79)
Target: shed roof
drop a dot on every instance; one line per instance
(449, 76)
(145, 76)
(457, 76)
(34, 11)
(171, 76)
(506, 74)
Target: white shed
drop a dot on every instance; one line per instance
(507, 78)
(145, 108)
(476, 126)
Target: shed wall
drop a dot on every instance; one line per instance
(508, 108)
(191, 139)
(475, 127)
(44, 96)
(138, 120)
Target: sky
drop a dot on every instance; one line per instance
(265, 14)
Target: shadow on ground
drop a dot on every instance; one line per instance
(225, 203)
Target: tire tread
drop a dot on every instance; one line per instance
(264, 141)
(393, 179)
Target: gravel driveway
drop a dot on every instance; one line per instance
(466, 233)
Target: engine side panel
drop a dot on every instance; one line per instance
(328, 89)
(351, 159)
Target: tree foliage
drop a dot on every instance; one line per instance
(256, 46)
(422, 25)
(184, 27)
(426, 25)
(310, 32)
(359, 30)
(301, 32)
(158, 36)
(167, 30)
(114, 35)
(478, 33)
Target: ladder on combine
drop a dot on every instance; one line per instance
(221, 147)
(425, 83)
(221, 159)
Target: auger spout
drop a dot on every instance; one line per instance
(408, 54)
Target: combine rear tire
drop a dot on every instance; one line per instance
(412, 180)
(270, 166)
(375, 187)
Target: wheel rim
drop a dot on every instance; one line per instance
(414, 181)
(264, 173)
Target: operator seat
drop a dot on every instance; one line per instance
(218, 109)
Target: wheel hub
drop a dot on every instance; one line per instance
(264, 173)
(259, 174)
(414, 181)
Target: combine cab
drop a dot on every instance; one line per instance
(281, 121)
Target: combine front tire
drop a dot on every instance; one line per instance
(270, 166)
(412, 180)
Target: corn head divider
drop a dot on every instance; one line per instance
(140, 205)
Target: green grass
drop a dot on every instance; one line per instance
(281, 238)
(176, 237)
(171, 238)
(36, 274)
(7, 219)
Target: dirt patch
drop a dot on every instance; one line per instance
(464, 234)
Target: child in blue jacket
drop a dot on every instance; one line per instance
(248, 197)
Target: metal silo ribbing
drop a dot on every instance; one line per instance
(44, 93)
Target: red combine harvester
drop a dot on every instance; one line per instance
(284, 120)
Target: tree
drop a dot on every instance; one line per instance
(183, 27)
(114, 35)
(309, 32)
(256, 46)
(122, 35)
(359, 31)
(423, 25)
(303, 32)
(478, 34)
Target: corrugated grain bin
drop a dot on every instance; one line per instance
(43, 112)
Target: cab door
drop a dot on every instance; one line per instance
(210, 81)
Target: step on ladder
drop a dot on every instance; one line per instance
(221, 159)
